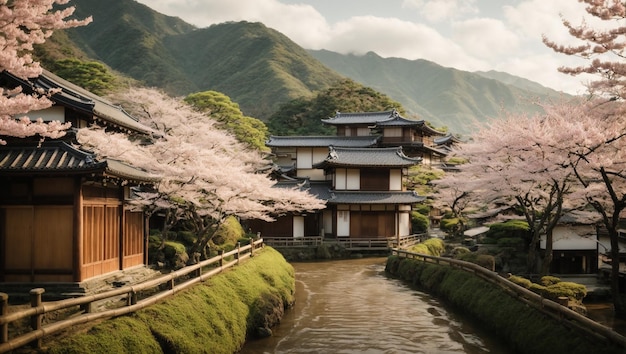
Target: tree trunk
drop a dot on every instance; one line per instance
(618, 300)
(532, 253)
(547, 259)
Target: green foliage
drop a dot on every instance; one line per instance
(215, 315)
(548, 280)
(227, 235)
(431, 247)
(510, 242)
(458, 252)
(419, 222)
(483, 260)
(90, 75)
(524, 328)
(423, 209)
(553, 288)
(456, 160)
(449, 224)
(302, 116)
(521, 281)
(509, 228)
(218, 106)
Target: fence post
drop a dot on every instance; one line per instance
(221, 258)
(4, 308)
(251, 248)
(35, 320)
(238, 250)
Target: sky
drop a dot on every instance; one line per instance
(470, 35)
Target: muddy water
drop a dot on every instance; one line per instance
(352, 307)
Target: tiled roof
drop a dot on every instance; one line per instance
(322, 141)
(320, 189)
(398, 121)
(362, 197)
(58, 157)
(359, 117)
(75, 96)
(446, 139)
(367, 157)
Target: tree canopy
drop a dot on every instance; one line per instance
(24, 24)
(218, 106)
(90, 75)
(302, 116)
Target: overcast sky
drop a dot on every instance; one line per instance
(472, 35)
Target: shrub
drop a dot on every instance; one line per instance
(419, 222)
(458, 252)
(422, 209)
(421, 249)
(548, 280)
(436, 246)
(510, 228)
(449, 224)
(521, 281)
(510, 242)
(573, 291)
(483, 260)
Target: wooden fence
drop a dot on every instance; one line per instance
(557, 311)
(347, 242)
(159, 288)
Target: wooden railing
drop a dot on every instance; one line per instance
(294, 241)
(173, 282)
(557, 311)
(347, 242)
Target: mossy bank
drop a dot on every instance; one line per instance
(525, 329)
(214, 317)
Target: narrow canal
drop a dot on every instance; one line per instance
(350, 306)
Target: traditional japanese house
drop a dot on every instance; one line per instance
(576, 244)
(367, 194)
(415, 137)
(296, 155)
(62, 210)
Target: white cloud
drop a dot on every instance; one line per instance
(439, 10)
(390, 37)
(485, 38)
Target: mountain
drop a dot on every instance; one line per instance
(260, 68)
(444, 96)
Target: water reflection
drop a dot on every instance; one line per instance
(352, 307)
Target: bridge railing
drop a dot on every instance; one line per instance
(557, 311)
(158, 288)
(348, 242)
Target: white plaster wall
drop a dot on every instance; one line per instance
(298, 226)
(343, 223)
(48, 114)
(353, 180)
(404, 224)
(340, 179)
(572, 237)
(304, 158)
(395, 180)
(313, 173)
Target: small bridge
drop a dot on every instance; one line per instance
(349, 243)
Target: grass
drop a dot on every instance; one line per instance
(213, 317)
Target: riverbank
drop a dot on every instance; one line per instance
(524, 328)
(214, 317)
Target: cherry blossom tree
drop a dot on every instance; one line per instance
(603, 44)
(517, 161)
(206, 174)
(598, 159)
(25, 23)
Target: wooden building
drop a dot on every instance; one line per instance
(62, 210)
(415, 137)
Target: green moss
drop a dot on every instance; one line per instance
(521, 281)
(214, 317)
(548, 280)
(419, 222)
(526, 329)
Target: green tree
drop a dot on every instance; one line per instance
(302, 116)
(247, 130)
(91, 75)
